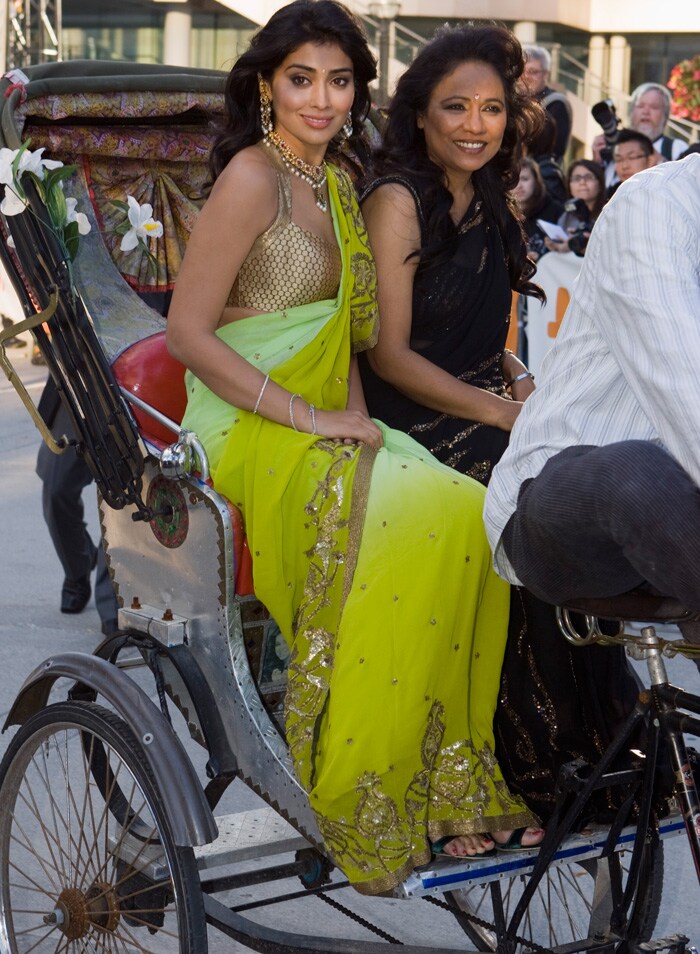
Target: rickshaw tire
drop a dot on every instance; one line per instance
(101, 727)
(640, 924)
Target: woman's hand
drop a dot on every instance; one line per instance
(554, 246)
(348, 426)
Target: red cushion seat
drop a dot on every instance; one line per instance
(147, 370)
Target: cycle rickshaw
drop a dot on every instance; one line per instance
(108, 838)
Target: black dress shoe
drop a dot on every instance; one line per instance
(75, 595)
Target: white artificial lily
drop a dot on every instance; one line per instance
(7, 157)
(12, 204)
(31, 161)
(79, 217)
(14, 201)
(143, 225)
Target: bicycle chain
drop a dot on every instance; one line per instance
(479, 922)
(360, 920)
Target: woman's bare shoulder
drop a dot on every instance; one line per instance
(391, 195)
(246, 190)
(391, 209)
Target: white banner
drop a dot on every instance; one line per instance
(556, 272)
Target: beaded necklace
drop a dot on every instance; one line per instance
(314, 175)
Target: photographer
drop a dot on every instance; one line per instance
(650, 107)
(586, 186)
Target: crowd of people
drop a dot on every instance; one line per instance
(349, 378)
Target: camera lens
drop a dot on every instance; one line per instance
(604, 114)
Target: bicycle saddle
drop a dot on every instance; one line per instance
(642, 604)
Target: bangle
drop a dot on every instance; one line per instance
(312, 415)
(262, 391)
(291, 410)
(520, 377)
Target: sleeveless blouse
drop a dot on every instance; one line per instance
(460, 319)
(287, 265)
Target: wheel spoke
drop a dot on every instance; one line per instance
(82, 828)
(568, 904)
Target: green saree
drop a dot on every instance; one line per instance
(376, 568)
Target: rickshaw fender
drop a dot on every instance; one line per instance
(188, 812)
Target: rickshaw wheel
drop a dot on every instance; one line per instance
(572, 903)
(86, 852)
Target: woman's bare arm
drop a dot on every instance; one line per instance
(394, 233)
(242, 205)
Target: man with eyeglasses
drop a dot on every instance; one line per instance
(598, 493)
(633, 152)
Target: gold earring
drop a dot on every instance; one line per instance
(265, 107)
(347, 127)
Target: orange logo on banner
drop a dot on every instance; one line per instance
(512, 339)
(563, 299)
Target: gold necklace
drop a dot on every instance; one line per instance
(314, 175)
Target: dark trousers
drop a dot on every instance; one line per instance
(64, 477)
(599, 521)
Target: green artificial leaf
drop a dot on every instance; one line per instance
(122, 206)
(20, 152)
(54, 176)
(56, 205)
(71, 239)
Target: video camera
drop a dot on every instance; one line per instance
(606, 117)
(578, 240)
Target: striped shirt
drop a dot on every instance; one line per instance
(626, 362)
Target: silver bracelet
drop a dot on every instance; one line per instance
(262, 391)
(312, 415)
(291, 410)
(520, 377)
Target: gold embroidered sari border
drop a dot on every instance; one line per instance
(389, 881)
(480, 825)
(358, 509)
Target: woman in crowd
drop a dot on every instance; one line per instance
(369, 554)
(449, 248)
(586, 185)
(535, 203)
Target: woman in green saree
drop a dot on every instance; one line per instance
(370, 555)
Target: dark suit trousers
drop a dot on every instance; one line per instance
(64, 478)
(599, 521)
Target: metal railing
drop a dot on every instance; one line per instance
(576, 77)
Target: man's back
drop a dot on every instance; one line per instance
(626, 363)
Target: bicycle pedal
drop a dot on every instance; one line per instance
(675, 944)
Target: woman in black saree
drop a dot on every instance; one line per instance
(449, 248)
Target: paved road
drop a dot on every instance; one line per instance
(31, 628)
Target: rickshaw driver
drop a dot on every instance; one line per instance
(598, 492)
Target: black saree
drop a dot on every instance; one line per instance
(556, 702)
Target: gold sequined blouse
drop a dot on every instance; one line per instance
(287, 265)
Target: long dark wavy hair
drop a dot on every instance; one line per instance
(404, 152)
(304, 21)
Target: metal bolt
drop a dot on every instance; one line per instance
(147, 738)
(136, 603)
(168, 615)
